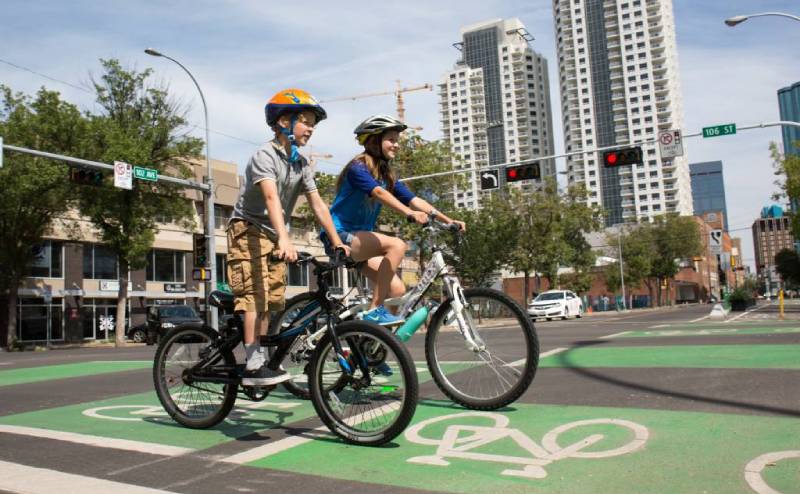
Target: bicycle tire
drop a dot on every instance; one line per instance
(297, 358)
(457, 380)
(207, 404)
(395, 397)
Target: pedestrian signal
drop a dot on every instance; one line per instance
(623, 156)
(200, 250)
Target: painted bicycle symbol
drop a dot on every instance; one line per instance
(139, 413)
(458, 441)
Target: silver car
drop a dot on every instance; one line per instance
(555, 303)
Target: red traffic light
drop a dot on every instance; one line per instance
(623, 156)
(528, 171)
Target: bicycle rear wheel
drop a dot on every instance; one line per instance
(497, 374)
(365, 407)
(198, 405)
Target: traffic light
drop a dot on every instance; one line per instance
(86, 176)
(523, 172)
(623, 157)
(200, 250)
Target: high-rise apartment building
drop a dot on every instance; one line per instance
(708, 189)
(618, 74)
(771, 234)
(495, 104)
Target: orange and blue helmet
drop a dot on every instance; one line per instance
(292, 100)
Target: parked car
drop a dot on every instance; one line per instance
(138, 333)
(555, 303)
(162, 318)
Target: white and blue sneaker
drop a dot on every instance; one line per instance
(379, 315)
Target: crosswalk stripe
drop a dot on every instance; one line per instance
(32, 480)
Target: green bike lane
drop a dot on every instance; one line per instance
(547, 442)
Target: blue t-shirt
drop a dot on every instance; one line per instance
(353, 210)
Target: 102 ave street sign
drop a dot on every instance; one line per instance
(141, 173)
(719, 130)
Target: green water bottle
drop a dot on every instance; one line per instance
(412, 323)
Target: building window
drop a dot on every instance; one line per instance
(99, 263)
(165, 266)
(47, 260)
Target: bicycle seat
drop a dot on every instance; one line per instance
(221, 300)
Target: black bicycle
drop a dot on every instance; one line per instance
(198, 379)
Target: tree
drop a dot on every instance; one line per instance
(551, 227)
(138, 123)
(787, 263)
(487, 244)
(35, 191)
(637, 256)
(787, 168)
(674, 237)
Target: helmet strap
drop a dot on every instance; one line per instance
(294, 153)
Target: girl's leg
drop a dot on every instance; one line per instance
(396, 289)
(389, 252)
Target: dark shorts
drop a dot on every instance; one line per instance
(347, 239)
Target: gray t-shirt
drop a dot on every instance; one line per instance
(291, 179)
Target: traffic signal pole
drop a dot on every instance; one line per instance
(781, 123)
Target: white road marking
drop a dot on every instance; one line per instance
(660, 326)
(98, 441)
(746, 312)
(700, 318)
(550, 352)
(613, 335)
(290, 442)
(32, 480)
(752, 471)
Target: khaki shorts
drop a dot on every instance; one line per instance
(258, 283)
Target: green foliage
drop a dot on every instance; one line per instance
(550, 231)
(35, 191)
(787, 263)
(787, 168)
(637, 255)
(488, 242)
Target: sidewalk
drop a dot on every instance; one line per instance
(643, 310)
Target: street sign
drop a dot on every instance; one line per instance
(670, 143)
(719, 130)
(715, 242)
(490, 180)
(145, 173)
(123, 175)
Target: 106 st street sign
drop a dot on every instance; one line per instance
(719, 130)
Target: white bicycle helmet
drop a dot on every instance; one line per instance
(377, 124)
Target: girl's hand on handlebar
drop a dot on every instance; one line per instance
(462, 227)
(417, 217)
(345, 249)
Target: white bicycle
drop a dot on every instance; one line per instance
(481, 348)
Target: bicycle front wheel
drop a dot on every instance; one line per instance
(497, 373)
(198, 405)
(374, 402)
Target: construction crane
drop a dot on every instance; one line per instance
(401, 111)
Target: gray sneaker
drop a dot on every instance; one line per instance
(264, 376)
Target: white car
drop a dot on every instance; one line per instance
(555, 303)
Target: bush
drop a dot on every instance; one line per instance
(740, 299)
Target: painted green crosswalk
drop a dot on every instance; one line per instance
(63, 371)
(707, 331)
(695, 356)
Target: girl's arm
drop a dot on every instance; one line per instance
(389, 200)
(426, 207)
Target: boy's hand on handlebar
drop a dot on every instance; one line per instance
(462, 227)
(417, 217)
(286, 250)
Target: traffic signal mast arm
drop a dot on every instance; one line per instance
(592, 150)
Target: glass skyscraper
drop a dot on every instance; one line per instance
(789, 103)
(708, 189)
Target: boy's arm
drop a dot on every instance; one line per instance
(324, 218)
(285, 250)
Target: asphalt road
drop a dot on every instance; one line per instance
(643, 401)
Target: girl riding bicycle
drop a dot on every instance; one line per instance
(365, 184)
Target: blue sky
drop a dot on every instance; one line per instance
(242, 52)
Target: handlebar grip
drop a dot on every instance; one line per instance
(410, 218)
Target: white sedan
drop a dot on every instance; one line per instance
(555, 303)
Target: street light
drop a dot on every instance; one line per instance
(738, 19)
(211, 311)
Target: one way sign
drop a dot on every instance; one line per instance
(490, 179)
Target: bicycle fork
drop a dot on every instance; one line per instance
(463, 319)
